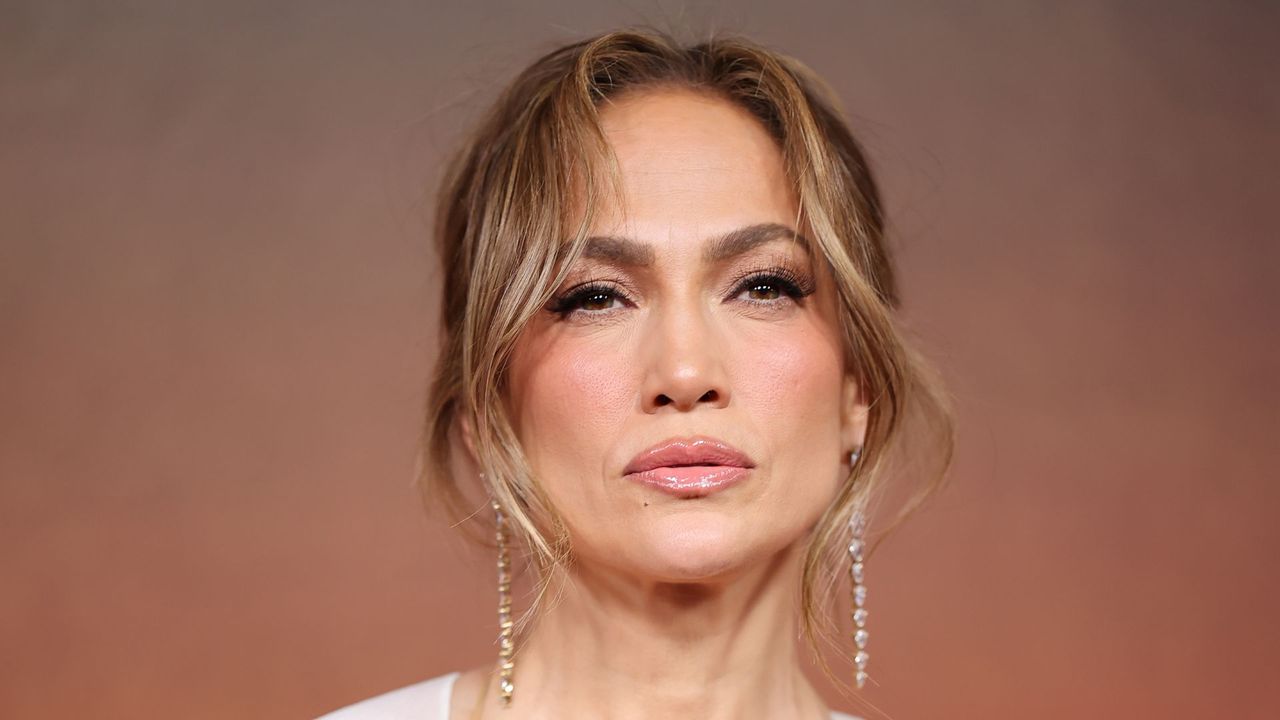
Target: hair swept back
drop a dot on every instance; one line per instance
(514, 212)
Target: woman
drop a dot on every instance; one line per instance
(674, 379)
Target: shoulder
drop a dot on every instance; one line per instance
(426, 700)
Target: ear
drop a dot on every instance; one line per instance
(853, 414)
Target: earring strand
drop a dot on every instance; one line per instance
(506, 643)
(857, 527)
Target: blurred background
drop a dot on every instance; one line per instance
(218, 306)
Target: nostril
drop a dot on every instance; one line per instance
(662, 400)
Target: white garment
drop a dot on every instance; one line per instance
(427, 700)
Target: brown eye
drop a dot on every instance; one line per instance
(771, 287)
(596, 301)
(588, 299)
(764, 291)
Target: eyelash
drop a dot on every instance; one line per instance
(573, 299)
(791, 284)
(785, 281)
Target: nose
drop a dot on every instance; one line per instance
(686, 364)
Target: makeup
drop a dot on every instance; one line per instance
(689, 467)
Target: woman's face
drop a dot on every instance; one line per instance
(696, 321)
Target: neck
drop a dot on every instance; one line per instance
(612, 647)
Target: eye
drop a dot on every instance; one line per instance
(766, 288)
(590, 298)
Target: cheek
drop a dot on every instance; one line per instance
(790, 386)
(791, 381)
(570, 399)
(780, 375)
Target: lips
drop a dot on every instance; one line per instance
(689, 467)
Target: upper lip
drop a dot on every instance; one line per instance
(697, 450)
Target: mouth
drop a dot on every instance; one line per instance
(690, 467)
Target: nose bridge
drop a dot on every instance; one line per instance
(685, 360)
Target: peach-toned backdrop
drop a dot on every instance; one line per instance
(217, 305)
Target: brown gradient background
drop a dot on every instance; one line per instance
(217, 308)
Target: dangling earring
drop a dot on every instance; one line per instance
(506, 645)
(857, 526)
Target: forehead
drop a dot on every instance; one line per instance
(692, 165)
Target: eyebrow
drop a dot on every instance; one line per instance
(625, 251)
(744, 239)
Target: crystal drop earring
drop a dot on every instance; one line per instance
(857, 526)
(506, 643)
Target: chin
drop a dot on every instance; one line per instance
(699, 547)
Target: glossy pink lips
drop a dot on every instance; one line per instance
(689, 467)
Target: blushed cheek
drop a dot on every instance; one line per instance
(791, 376)
(791, 390)
(574, 401)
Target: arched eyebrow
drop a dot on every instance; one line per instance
(745, 239)
(618, 250)
(625, 251)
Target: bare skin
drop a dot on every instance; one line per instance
(676, 607)
(740, 664)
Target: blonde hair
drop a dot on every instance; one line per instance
(507, 235)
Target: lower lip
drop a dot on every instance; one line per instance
(691, 481)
